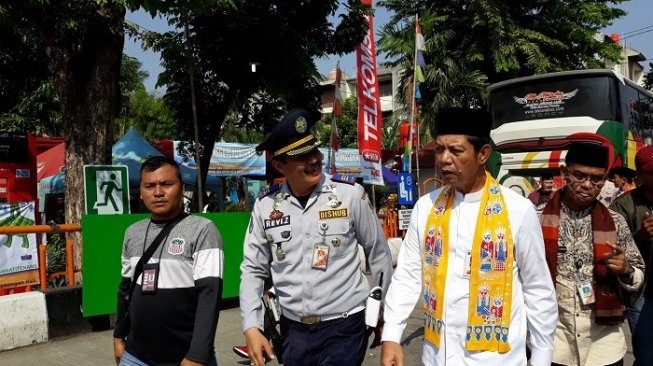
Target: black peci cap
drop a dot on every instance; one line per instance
(588, 154)
(292, 136)
(463, 121)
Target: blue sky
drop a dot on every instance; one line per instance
(638, 17)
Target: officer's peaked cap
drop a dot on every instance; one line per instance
(292, 136)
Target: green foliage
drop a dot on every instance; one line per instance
(27, 99)
(648, 78)
(131, 77)
(390, 136)
(347, 125)
(145, 111)
(472, 43)
(282, 37)
(149, 114)
(55, 254)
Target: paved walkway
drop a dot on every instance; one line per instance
(96, 348)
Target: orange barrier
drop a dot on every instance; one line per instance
(437, 182)
(389, 223)
(48, 229)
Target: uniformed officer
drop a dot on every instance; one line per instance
(305, 235)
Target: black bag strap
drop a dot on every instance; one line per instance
(150, 251)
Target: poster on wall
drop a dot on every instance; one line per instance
(19, 262)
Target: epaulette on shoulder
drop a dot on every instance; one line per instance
(273, 189)
(345, 181)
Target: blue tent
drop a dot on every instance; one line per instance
(131, 150)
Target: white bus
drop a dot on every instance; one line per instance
(535, 118)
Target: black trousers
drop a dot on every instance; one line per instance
(340, 342)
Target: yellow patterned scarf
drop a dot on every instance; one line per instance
(490, 277)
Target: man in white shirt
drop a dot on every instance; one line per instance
(474, 253)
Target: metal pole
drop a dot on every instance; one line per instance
(332, 154)
(417, 162)
(412, 103)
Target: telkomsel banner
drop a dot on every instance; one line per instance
(18, 253)
(369, 107)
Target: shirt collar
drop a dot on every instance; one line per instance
(469, 197)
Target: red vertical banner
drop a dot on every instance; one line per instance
(369, 107)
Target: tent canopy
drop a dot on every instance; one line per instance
(131, 150)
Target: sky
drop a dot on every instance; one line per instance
(636, 28)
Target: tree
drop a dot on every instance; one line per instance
(27, 97)
(471, 43)
(149, 114)
(83, 41)
(282, 37)
(648, 78)
(347, 125)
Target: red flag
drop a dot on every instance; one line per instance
(337, 100)
(335, 138)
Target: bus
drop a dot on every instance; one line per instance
(535, 118)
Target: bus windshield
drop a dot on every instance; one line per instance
(592, 96)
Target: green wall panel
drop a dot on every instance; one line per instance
(102, 237)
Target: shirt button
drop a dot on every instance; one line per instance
(577, 314)
(308, 236)
(578, 335)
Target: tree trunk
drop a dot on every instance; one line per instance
(208, 139)
(86, 73)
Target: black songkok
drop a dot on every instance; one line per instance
(463, 121)
(588, 154)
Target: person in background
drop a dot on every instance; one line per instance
(305, 237)
(170, 317)
(624, 180)
(542, 195)
(636, 206)
(474, 254)
(591, 257)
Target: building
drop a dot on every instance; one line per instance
(630, 65)
(389, 89)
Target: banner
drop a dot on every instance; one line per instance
(19, 260)
(369, 107)
(228, 159)
(346, 161)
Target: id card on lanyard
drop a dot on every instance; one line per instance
(150, 278)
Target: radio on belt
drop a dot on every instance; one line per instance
(373, 304)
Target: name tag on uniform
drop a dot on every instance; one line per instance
(333, 214)
(320, 256)
(150, 278)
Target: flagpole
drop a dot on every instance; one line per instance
(417, 161)
(332, 153)
(412, 104)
